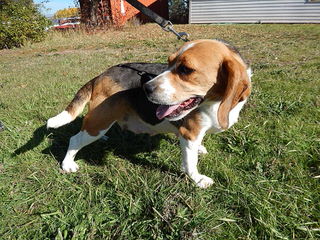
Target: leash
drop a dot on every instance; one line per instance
(163, 23)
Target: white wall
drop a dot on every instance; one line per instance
(241, 11)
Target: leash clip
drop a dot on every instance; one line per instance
(180, 35)
(183, 36)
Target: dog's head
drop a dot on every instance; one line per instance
(201, 70)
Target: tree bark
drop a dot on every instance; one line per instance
(95, 13)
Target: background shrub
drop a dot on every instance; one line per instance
(20, 21)
(179, 11)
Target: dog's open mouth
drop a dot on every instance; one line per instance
(173, 111)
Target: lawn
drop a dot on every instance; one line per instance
(266, 169)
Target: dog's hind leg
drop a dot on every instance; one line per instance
(78, 141)
(95, 124)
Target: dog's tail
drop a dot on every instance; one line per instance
(74, 108)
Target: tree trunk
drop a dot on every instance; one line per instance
(94, 13)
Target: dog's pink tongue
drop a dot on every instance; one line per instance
(164, 110)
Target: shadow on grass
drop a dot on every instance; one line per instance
(123, 144)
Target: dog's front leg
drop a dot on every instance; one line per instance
(190, 160)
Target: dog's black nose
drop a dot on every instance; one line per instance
(148, 88)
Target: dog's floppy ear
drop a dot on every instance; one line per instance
(237, 89)
(172, 57)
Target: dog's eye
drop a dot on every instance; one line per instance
(184, 70)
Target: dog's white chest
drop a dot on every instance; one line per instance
(209, 114)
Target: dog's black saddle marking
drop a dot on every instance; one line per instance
(131, 77)
(144, 108)
(146, 77)
(137, 98)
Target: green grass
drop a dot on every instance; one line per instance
(266, 168)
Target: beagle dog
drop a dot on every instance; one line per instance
(202, 89)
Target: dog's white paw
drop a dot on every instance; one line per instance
(202, 150)
(69, 166)
(204, 181)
